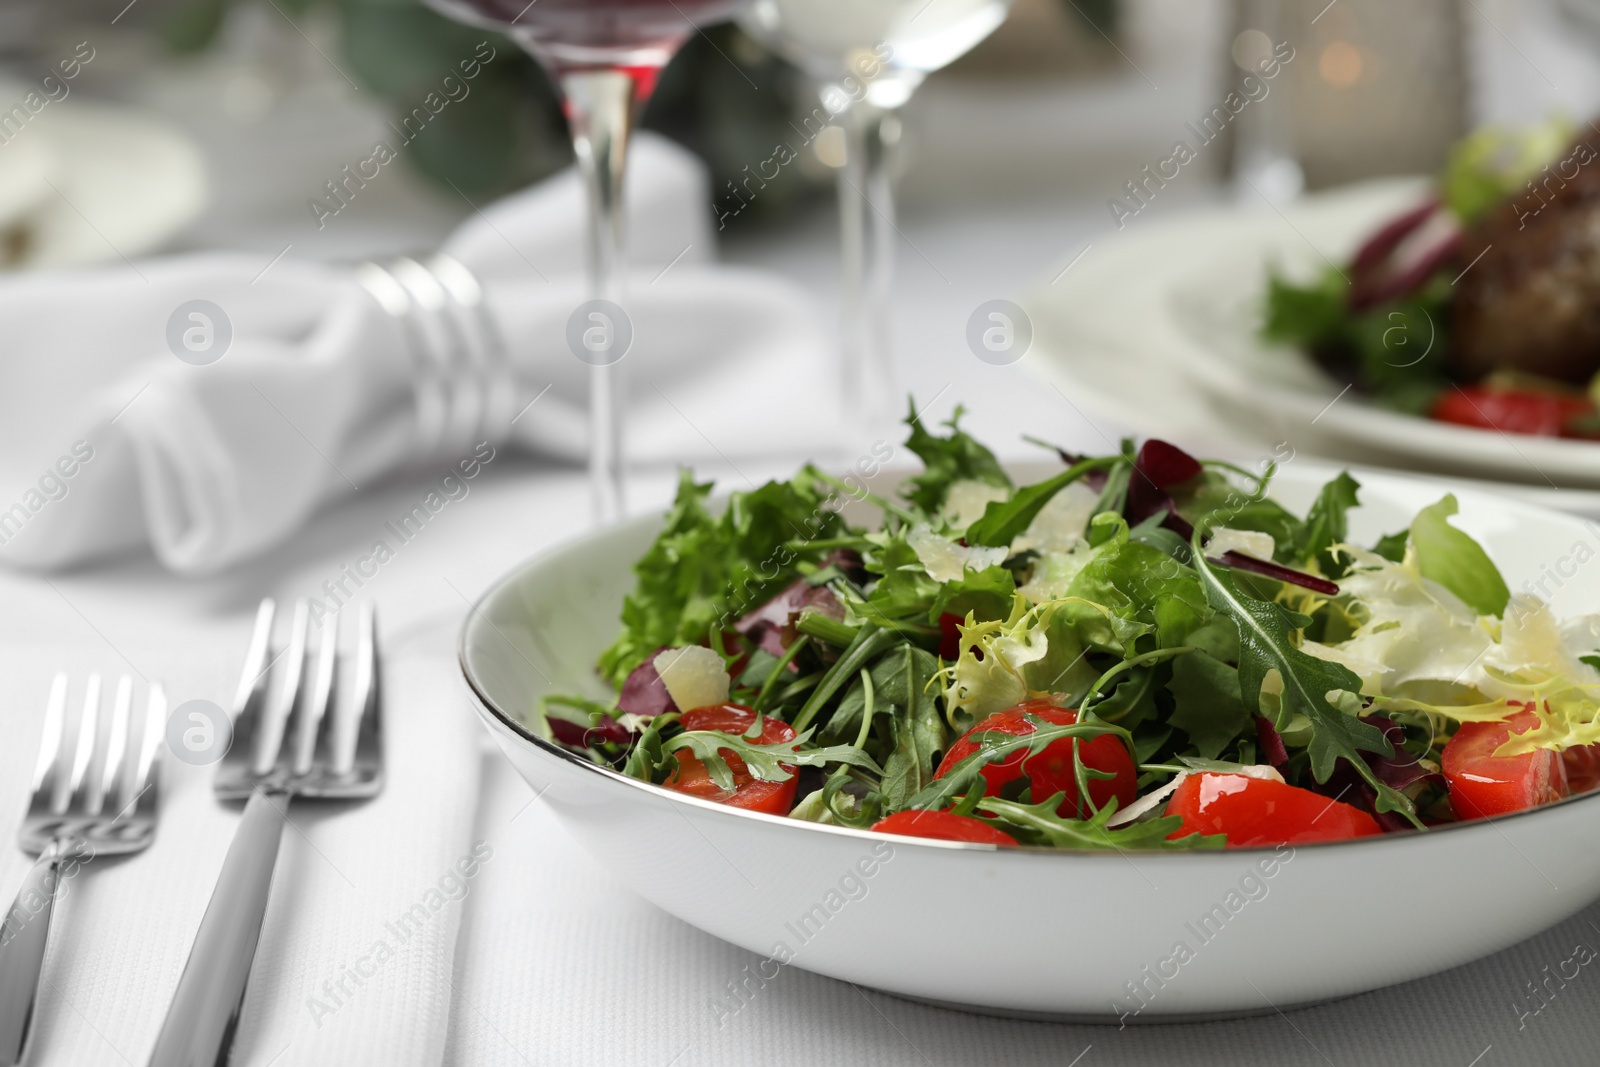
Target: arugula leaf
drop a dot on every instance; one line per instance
(917, 728)
(764, 762)
(870, 640)
(1038, 824)
(956, 457)
(993, 747)
(1216, 501)
(1308, 684)
(1454, 560)
(1327, 525)
(703, 572)
(1209, 708)
(1003, 520)
(648, 756)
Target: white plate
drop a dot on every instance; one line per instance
(95, 183)
(1034, 931)
(1184, 299)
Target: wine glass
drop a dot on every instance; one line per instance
(869, 57)
(605, 55)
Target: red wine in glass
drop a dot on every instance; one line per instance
(606, 55)
(575, 34)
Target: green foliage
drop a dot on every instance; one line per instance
(764, 761)
(1038, 824)
(1454, 560)
(705, 571)
(1395, 351)
(1003, 520)
(1327, 524)
(1208, 705)
(1308, 684)
(955, 457)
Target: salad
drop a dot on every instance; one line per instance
(1478, 306)
(1142, 651)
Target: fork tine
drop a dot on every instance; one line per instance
(147, 771)
(316, 709)
(116, 742)
(45, 774)
(269, 741)
(88, 728)
(363, 726)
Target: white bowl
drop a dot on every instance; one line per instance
(1084, 935)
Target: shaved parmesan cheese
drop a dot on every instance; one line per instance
(1249, 542)
(1148, 803)
(945, 560)
(1060, 523)
(965, 501)
(695, 677)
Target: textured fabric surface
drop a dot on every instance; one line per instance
(123, 930)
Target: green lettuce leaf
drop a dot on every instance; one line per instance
(705, 571)
(1454, 560)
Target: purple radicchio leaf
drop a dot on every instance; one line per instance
(644, 693)
(771, 626)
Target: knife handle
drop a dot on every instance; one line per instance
(204, 1016)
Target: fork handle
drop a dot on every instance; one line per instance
(24, 935)
(204, 1016)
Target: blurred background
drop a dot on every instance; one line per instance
(212, 123)
(215, 123)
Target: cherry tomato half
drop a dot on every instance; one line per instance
(942, 826)
(1511, 410)
(1258, 811)
(1483, 784)
(1582, 765)
(1050, 771)
(750, 792)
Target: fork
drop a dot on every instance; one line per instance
(74, 816)
(332, 754)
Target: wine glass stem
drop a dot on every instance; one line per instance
(867, 238)
(600, 106)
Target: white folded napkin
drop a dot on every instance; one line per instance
(318, 394)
